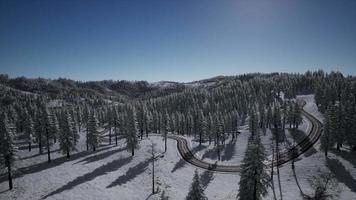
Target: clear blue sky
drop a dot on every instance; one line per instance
(180, 40)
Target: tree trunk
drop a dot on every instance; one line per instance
(9, 171)
(29, 146)
(165, 142)
(200, 138)
(296, 180)
(153, 173)
(115, 129)
(255, 187)
(218, 152)
(87, 142)
(68, 153)
(48, 147)
(109, 135)
(40, 144)
(132, 151)
(279, 177)
(272, 167)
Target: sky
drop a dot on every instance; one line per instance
(176, 40)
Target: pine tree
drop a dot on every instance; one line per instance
(254, 180)
(39, 130)
(47, 128)
(278, 134)
(85, 120)
(116, 123)
(93, 134)
(219, 128)
(141, 119)
(111, 122)
(337, 124)
(327, 140)
(165, 128)
(66, 137)
(7, 146)
(130, 130)
(297, 115)
(253, 123)
(54, 129)
(28, 129)
(196, 191)
(79, 117)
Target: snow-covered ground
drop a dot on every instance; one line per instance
(111, 173)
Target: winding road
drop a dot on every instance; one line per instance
(285, 156)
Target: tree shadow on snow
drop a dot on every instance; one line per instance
(229, 151)
(206, 177)
(178, 165)
(349, 156)
(341, 173)
(36, 155)
(100, 171)
(25, 147)
(211, 153)
(4, 191)
(131, 173)
(100, 156)
(198, 148)
(45, 165)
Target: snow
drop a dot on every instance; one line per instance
(163, 84)
(111, 173)
(310, 106)
(55, 103)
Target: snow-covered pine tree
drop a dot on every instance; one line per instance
(219, 128)
(116, 122)
(79, 117)
(130, 130)
(140, 119)
(199, 126)
(148, 120)
(196, 191)
(47, 128)
(54, 129)
(7, 146)
(254, 179)
(278, 135)
(297, 115)
(85, 119)
(269, 116)
(337, 124)
(327, 140)
(165, 128)
(253, 123)
(110, 120)
(39, 130)
(66, 135)
(93, 134)
(28, 129)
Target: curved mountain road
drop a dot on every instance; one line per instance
(285, 156)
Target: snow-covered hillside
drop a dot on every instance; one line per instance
(111, 173)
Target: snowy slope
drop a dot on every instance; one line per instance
(111, 173)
